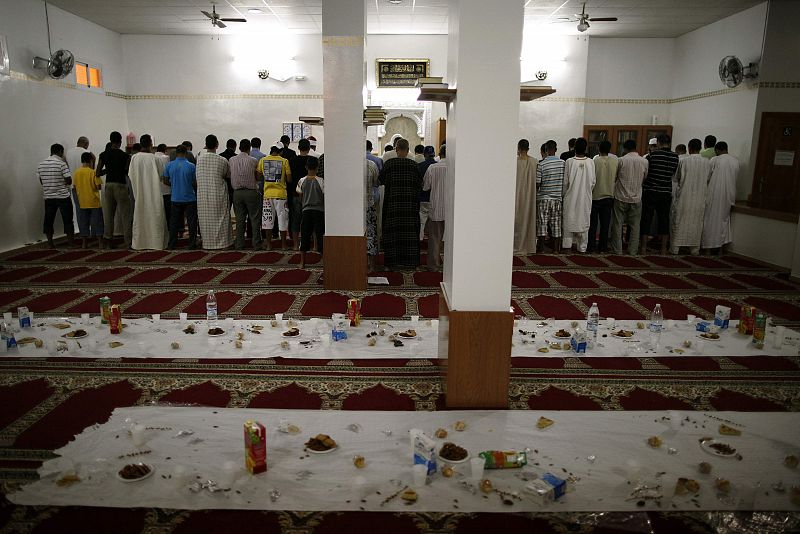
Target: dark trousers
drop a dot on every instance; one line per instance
(178, 211)
(168, 208)
(247, 205)
(601, 213)
(657, 204)
(51, 207)
(313, 221)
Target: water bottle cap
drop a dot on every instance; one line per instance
(594, 304)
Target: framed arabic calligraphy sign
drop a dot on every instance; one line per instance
(400, 72)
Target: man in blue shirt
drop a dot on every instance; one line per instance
(373, 158)
(180, 175)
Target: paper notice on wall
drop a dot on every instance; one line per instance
(784, 158)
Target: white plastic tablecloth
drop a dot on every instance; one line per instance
(617, 440)
(145, 338)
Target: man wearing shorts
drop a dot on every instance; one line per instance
(657, 192)
(276, 173)
(549, 191)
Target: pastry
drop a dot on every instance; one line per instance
(686, 485)
(640, 325)
(441, 433)
(709, 335)
(175, 345)
(726, 430)
(216, 331)
(76, 333)
(723, 485)
(189, 329)
(372, 342)
(238, 344)
(562, 333)
(61, 326)
(544, 422)
(654, 442)
(26, 340)
(408, 333)
(273, 323)
(67, 480)
(38, 343)
(359, 462)
(409, 495)
(790, 461)
(115, 344)
(687, 343)
(623, 333)
(460, 426)
(292, 332)
(543, 349)
(447, 471)
(704, 468)
(486, 485)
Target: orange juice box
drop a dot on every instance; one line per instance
(255, 447)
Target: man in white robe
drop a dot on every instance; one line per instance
(149, 222)
(689, 200)
(525, 201)
(720, 198)
(579, 180)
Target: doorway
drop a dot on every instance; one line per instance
(405, 127)
(776, 182)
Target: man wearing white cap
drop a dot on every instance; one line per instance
(652, 145)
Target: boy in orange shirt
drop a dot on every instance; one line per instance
(87, 190)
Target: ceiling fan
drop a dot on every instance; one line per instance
(218, 21)
(583, 19)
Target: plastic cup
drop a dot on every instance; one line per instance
(179, 475)
(415, 318)
(137, 435)
(670, 323)
(156, 318)
(780, 334)
(435, 324)
(229, 473)
(691, 318)
(7, 317)
(611, 322)
(476, 466)
(85, 318)
(279, 317)
(183, 316)
(700, 345)
(420, 475)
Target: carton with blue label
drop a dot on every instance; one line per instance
(722, 316)
(578, 341)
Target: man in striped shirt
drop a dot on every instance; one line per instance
(54, 175)
(657, 192)
(549, 193)
(435, 181)
(247, 199)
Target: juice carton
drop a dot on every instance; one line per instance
(255, 447)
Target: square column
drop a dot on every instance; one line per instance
(343, 68)
(484, 66)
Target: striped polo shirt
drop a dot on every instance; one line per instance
(550, 178)
(51, 173)
(663, 164)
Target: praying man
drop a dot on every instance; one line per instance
(720, 198)
(689, 202)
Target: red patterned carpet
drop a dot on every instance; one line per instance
(46, 401)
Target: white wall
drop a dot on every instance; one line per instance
(35, 115)
(188, 86)
(609, 77)
(728, 116)
(560, 116)
(766, 240)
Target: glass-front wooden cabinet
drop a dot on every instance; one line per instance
(618, 134)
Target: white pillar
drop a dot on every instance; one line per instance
(482, 133)
(343, 29)
(343, 70)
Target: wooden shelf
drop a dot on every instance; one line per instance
(313, 121)
(436, 94)
(448, 94)
(528, 93)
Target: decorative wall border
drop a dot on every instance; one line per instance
(310, 96)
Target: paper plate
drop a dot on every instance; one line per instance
(707, 446)
(322, 452)
(85, 334)
(217, 335)
(148, 475)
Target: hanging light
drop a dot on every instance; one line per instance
(583, 25)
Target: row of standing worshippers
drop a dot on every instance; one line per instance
(584, 202)
(171, 193)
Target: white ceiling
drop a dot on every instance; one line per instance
(637, 18)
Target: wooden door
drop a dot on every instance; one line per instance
(650, 132)
(441, 133)
(594, 135)
(622, 134)
(776, 183)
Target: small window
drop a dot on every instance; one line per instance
(89, 76)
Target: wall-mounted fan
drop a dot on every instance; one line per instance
(583, 19)
(732, 72)
(59, 65)
(217, 20)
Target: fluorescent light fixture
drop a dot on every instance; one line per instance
(254, 11)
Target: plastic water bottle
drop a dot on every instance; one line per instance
(592, 318)
(656, 324)
(211, 308)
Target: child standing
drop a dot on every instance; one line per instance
(87, 189)
(311, 189)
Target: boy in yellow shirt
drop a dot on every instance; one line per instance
(276, 174)
(87, 190)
